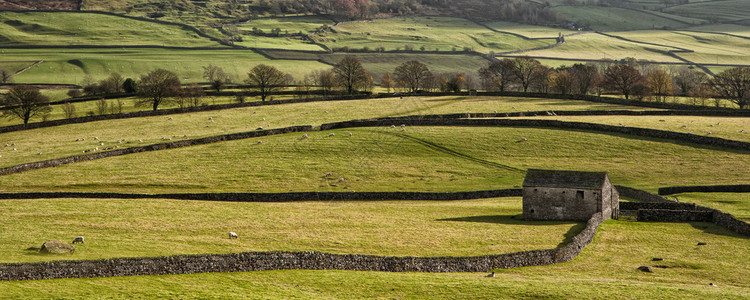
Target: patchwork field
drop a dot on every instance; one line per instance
(434, 33)
(99, 63)
(89, 29)
(614, 18)
(709, 48)
(729, 10)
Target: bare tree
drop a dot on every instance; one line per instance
(497, 74)
(265, 79)
(386, 82)
(5, 76)
(622, 78)
(413, 73)
(524, 69)
(686, 79)
(659, 84)
(25, 102)
(69, 110)
(562, 81)
(190, 96)
(216, 77)
(326, 81)
(733, 85)
(156, 87)
(583, 77)
(350, 74)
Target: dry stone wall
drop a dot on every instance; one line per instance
(260, 261)
(738, 188)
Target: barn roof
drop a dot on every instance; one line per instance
(565, 179)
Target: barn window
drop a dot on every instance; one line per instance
(579, 195)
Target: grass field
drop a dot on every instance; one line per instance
(614, 18)
(529, 31)
(737, 204)
(723, 127)
(66, 28)
(605, 268)
(725, 28)
(724, 11)
(709, 48)
(304, 24)
(286, 43)
(384, 159)
(71, 65)
(59, 141)
(129, 228)
(441, 33)
(597, 46)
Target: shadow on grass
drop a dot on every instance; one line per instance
(717, 230)
(518, 220)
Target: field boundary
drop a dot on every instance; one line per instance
(435, 120)
(281, 260)
(674, 108)
(279, 197)
(734, 188)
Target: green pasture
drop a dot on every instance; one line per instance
(529, 31)
(721, 11)
(737, 204)
(441, 33)
(734, 29)
(709, 47)
(377, 64)
(157, 227)
(291, 25)
(69, 28)
(723, 127)
(597, 46)
(605, 268)
(285, 43)
(59, 141)
(436, 159)
(71, 65)
(615, 18)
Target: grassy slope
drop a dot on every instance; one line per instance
(726, 28)
(384, 159)
(46, 28)
(709, 48)
(443, 33)
(286, 43)
(737, 204)
(60, 141)
(613, 18)
(723, 127)
(606, 268)
(596, 46)
(99, 63)
(530, 31)
(126, 228)
(729, 10)
(304, 24)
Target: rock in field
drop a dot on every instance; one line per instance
(57, 247)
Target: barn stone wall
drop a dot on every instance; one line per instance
(545, 203)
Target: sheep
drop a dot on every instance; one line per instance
(403, 125)
(329, 174)
(170, 118)
(264, 119)
(304, 136)
(40, 153)
(101, 144)
(403, 129)
(350, 134)
(78, 239)
(233, 235)
(140, 141)
(96, 138)
(259, 128)
(742, 130)
(393, 126)
(491, 274)
(332, 134)
(523, 139)
(260, 142)
(683, 126)
(341, 179)
(210, 118)
(12, 144)
(709, 133)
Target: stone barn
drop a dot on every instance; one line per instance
(568, 195)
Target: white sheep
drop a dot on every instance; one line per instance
(393, 126)
(233, 235)
(350, 134)
(332, 134)
(170, 118)
(260, 142)
(304, 136)
(78, 239)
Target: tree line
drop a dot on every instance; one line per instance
(626, 77)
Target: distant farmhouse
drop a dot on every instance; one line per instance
(568, 195)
